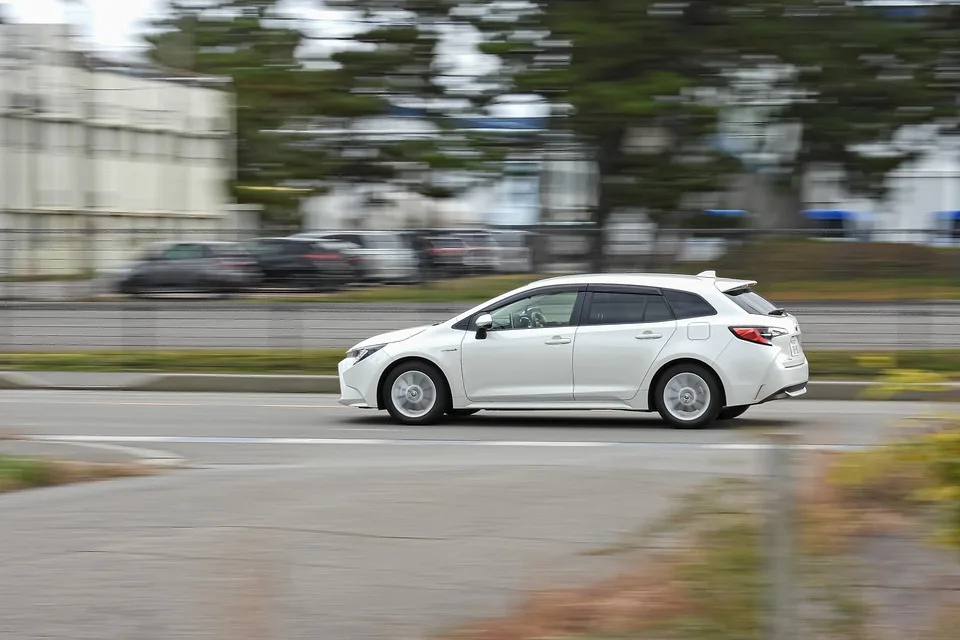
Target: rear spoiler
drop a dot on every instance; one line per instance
(726, 285)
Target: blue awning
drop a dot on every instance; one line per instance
(829, 214)
(948, 215)
(725, 213)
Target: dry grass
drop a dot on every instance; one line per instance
(634, 600)
(27, 472)
(711, 586)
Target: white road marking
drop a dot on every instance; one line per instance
(243, 440)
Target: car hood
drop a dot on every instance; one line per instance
(392, 336)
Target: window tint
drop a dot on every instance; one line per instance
(752, 302)
(544, 310)
(627, 308)
(617, 308)
(688, 305)
(657, 310)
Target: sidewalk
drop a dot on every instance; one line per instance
(218, 383)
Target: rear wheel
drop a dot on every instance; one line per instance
(415, 393)
(729, 413)
(687, 396)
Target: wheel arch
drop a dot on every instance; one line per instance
(405, 359)
(655, 380)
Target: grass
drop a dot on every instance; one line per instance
(823, 364)
(27, 472)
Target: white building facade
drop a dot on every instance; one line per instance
(97, 158)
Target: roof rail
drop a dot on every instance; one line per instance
(708, 274)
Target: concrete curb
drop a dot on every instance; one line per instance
(214, 383)
(17, 380)
(47, 446)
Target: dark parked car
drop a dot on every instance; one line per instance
(304, 263)
(191, 267)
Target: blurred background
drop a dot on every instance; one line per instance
(498, 137)
(253, 186)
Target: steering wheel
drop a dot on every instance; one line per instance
(536, 317)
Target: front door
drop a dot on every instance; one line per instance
(527, 356)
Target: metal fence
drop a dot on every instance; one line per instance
(892, 290)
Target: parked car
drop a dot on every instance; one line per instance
(481, 255)
(693, 348)
(382, 256)
(512, 249)
(191, 267)
(304, 263)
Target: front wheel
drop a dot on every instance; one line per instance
(415, 393)
(729, 413)
(687, 396)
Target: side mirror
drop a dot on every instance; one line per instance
(484, 323)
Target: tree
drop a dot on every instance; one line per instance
(861, 74)
(855, 76)
(394, 61)
(632, 84)
(248, 42)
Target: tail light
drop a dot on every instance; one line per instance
(758, 335)
(321, 256)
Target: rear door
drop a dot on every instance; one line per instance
(622, 331)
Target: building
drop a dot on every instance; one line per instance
(98, 157)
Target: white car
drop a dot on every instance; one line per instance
(693, 348)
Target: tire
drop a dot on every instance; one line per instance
(417, 378)
(687, 396)
(462, 413)
(729, 413)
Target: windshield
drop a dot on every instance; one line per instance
(752, 302)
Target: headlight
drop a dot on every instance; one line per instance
(362, 353)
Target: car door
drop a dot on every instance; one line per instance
(172, 268)
(621, 333)
(528, 354)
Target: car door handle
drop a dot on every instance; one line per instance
(649, 335)
(557, 340)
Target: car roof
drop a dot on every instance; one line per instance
(687, 282)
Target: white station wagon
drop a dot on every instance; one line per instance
(693, 348)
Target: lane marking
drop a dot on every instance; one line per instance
(253, 440)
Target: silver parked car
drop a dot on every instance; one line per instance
(381, 256)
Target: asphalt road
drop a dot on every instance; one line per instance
(318, 521)
(173, 324)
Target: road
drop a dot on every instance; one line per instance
(326, 522)
(187, 324)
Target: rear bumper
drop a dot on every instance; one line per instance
(793, 391)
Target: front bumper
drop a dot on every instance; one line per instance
(358, 382)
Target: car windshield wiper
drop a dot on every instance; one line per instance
(777, 312)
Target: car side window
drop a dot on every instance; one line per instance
(183, 252)
(607, 308)
(616, 308)
(686, 305)
(537, 311)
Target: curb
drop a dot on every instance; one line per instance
(139, 456)
(214, 383)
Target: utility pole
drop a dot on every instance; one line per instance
(780, 545)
